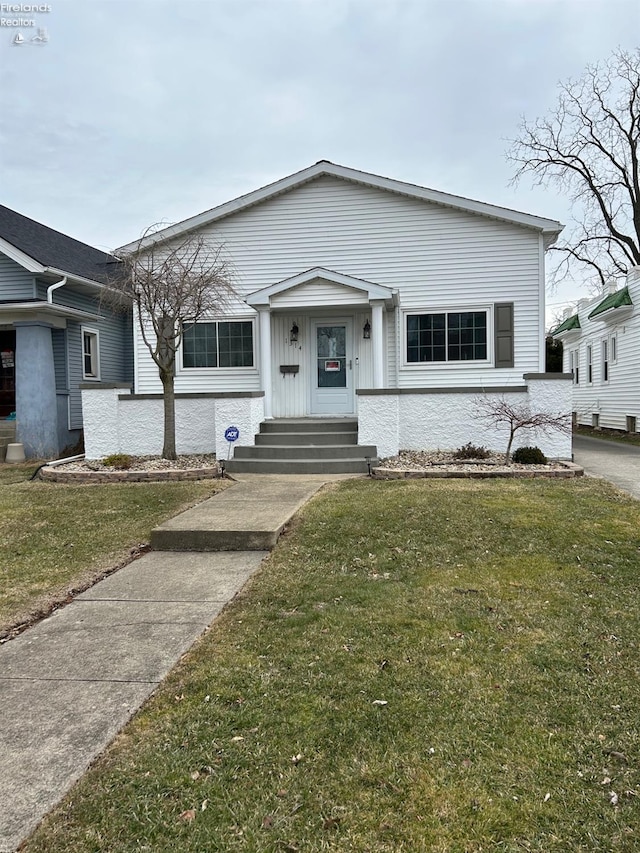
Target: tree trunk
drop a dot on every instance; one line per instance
(507, 455)
(169, 446)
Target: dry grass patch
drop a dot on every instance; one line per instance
(57, 538)
(419, 666)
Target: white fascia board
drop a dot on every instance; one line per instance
(52, 308)
(549, 227)
(20, 257)
(373, 291)
(72, 277)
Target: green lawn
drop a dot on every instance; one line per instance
(498, 621)
(56, 538)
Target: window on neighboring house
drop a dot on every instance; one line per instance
(613, 355)
(90, 355)
(218, 344)
(605, 361)
(589, 364)
(574, 365)
(451, 336)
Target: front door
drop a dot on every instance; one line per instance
(332, 368)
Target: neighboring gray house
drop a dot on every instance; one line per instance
(601, 349)
(54, 334)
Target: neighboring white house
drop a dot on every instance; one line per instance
(359, 296)
(601, 341)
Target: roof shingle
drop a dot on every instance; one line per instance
(53, 249)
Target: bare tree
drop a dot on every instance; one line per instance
(499, 412)
(588, 148)
(170, 284)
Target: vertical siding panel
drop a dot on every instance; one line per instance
(289, 391)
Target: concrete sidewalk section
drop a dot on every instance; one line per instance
(248, 516)
(69, 683)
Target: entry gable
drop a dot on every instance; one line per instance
(320, 287)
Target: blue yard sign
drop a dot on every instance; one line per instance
(231, 433)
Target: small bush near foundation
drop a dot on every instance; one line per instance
(529, 456)
(470, 451)
(121, 461)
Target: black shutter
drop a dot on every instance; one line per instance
(503, 324)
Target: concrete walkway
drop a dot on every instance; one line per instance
(71, 682)
(612, 460)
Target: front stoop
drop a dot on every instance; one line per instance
(305, 446)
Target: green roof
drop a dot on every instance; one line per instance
(614, 300)
(569, 324)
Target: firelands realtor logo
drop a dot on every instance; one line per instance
(22, 16)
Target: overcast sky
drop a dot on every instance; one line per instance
(137, 111)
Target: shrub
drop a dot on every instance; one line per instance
(470, 451)
(122, 461)
(529, 456)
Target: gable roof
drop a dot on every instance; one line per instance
(569, 325)
(51, 250)
(619, 299)
(372, 291)
(548, 227)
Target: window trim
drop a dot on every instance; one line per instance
(589, 364)
(217, 370)
(605, 361)
(463, 309)
(613, 349)
(574, 365)
(95, 335)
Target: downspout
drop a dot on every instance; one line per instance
(53, 287)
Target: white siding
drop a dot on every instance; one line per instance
(612, 401)
(437, 257)
(319, 293)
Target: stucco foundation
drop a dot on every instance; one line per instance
(116, 421)
(428, 419)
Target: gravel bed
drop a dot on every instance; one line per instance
(421, 460)
(143, 463)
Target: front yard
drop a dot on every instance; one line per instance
(420, 666)
(58, 538)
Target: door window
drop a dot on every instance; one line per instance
(331, 356)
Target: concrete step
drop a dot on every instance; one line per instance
(309, 425)
(247, 516)
(353, 465)
(313, 439)
(330, 451)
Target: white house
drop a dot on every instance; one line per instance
(359, 297)
(601, 340)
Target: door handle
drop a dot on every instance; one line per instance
(350, 364)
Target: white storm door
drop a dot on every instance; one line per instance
(332, 368)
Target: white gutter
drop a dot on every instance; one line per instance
(53, 287)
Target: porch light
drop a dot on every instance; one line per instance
(293, 334)
(366, 330)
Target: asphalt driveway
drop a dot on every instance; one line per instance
(619, 463)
